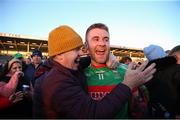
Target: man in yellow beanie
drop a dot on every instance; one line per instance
(62, 92)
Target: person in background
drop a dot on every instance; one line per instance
(28, 61)
(21, 58)
(11, 82)
(1, 68)
(175, 52)
(126, 60)
(165, 83)
(7, 101)
(62, 93)
(33, 66)
(101, 79)
(10, 78)
(153, 52)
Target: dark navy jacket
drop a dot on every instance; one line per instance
(29, 72)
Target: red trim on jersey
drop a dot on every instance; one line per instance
(99, 66)
(101, 88)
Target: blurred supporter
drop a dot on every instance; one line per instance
(126, 60)
(10, 78)
(21, 58)
(18, 56)
(153, 52)
(33, 66)
(11, 82)
(28, 61)
(176, 52)
(44, 58)
(164, 87)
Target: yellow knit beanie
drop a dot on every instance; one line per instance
(63, 39)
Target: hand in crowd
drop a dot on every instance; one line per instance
(138, 76)
(18, 74)
(18, 96)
